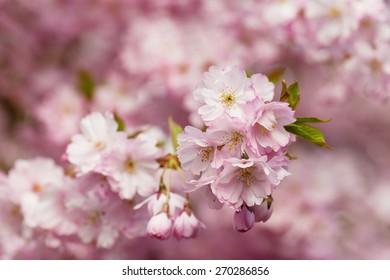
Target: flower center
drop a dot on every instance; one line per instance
(206, 153)
(263, 130)
(228, 98)
(233, 140)
(129, 166)
(15, 211)
(36, 188)
(100, 145)
(247, 175)
(375, 65)
(93, 217)
(334, 12)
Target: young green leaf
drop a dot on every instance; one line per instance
(86, 84)
(310, 120)
(308, 133)
(120, 122)
(290, 94)
(248, 73)
(175, 129)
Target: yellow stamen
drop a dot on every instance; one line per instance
(334, 12)
(206, 153)
(36, 188)
(263, 130)
(228, 98)
(130, 166)
(93, 217)
(100, 145)
(247, 175)
(233, 140)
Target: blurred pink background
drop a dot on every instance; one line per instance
(60, 59)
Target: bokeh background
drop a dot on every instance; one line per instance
(60, 59)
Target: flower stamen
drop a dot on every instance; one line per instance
(247, 175)
(36, 188)
(228, 98)
(130, 166)
(206, 153)
(233, 140)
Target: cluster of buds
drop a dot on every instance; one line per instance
(171, 212)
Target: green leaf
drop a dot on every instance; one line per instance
(175, 129)
(308, 133)
(120, 122)
(290, 94)
(310, 120)
(86, 84)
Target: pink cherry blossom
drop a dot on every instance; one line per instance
(244, 219)
(223, 90)
(335, 19)
(230, 138)
(156, 203)
(195, 151)
(48, 210)
(186, 225)
(263, 87)
(68, 108)
(93, 216)
(244, 181)
(132, 167)
(99, 134)
(160, 226)
(29, 178)
(267, 125)
(263, 211)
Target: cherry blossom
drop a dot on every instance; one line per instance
(132, 167)
(99, 134)
(223, 90)
(160, 226)
(244, 219)
(267, 125)
(196, 151)
(186, 225)
(244, 180)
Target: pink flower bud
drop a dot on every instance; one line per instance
(186, 226)
(160, 226)
(263, 211)
(244, 219)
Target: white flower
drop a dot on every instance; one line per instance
(263, 87)
(132, 168)
(336, 19)
(98, 134)
(224, 90)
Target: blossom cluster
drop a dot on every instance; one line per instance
(139, 59)
(340, 45)
(93, 196)
(134, 166)
(241, 154)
